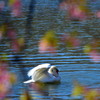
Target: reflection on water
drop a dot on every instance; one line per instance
(41, 89)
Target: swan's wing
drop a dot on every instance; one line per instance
(40, 74)
(32, 71)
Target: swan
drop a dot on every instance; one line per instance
(45, 73)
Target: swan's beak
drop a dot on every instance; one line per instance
(57, 71)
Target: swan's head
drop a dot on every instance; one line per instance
(54, 71)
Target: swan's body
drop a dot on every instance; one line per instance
(43, 73)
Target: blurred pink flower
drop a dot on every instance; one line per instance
(16, 8)
(15, 46)
(45, 46)
(48, 42)
(2, 4)
(92, 51)
(75, 12)
(11, 34)
(5, 80)
(76, 9)
(16, 43)
(98, 14)
(70, 40)
(94, 55)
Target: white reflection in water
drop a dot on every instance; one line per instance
(43, 90)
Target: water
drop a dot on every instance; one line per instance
(72, 63)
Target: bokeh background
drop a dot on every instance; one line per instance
(65, 33)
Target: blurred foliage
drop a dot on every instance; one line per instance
(25, 96)
(84, 92)
(48, 43)
(76, 10)
(70, 39)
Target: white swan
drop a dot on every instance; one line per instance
(44, 73)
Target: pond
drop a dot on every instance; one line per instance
(72, 67)
(73, 63)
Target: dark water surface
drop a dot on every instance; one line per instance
(72, 63)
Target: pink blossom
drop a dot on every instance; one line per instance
(17, 8)
(15, 46)
(2, 4)
(45, 46)
(11, 34)
(5, 83)
(98, 14)
(95, 56)
(76, 13)
(70, 40)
